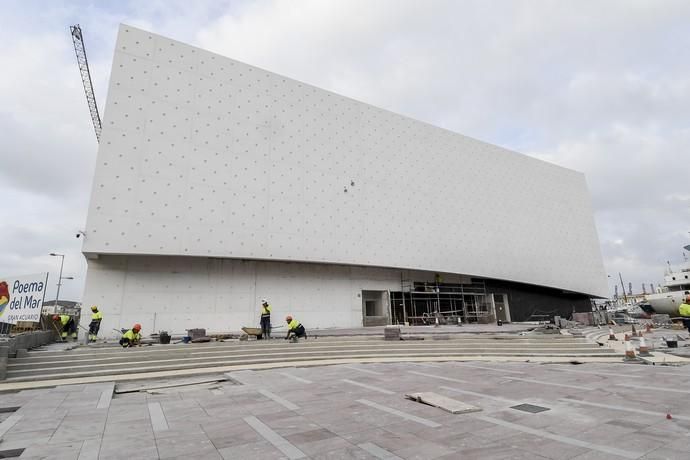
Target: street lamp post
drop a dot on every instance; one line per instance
(60, 278)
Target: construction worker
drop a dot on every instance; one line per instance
(265, 319)
(132, 337)
(95, 324)
(684, 310)
(295, 329)
(68, 326)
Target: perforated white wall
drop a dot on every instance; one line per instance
(202, 155)
(221, 295)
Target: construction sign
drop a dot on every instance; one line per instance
(21, 298)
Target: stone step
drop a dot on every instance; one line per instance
(124, 357)
(556, 340)
(175, 363)
(188, 352)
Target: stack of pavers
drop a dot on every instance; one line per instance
(391, 333)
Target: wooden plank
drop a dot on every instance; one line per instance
(442, 402)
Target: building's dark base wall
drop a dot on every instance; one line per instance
(526, 301)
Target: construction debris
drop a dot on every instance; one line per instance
(391, 333)
(442, 402)
(147, 387)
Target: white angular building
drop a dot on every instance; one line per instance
(218, 184)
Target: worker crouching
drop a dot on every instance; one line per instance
(295, 329)
(95, 324)
(132, 337)
(69, 326)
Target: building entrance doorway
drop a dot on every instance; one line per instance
(374, 308)
(502, 309)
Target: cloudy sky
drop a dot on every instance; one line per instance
(602, 87)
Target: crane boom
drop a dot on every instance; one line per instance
(80, 51)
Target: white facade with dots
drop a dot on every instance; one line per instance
(218, 183)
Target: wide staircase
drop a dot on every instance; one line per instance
(92, 361)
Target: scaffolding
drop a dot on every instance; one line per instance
(441, 303)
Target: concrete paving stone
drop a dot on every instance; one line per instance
(576, 423)
(215, 455)
(382, 438)
(129, 428)
(557, 450)
(54, 451)
(319, 407)
(77, 433)
(344, 426)
(310, 436)
(593, 455)
(639, 441)
(420, 432)
(232, 436)
(70, 388)
(492, 453)
(25, 439)
(543, 446)
(346, 453)
(90, 449)
(263, 408)
(181, 421)
(664, 453)
(251, 451)
(160, 398)
(468, 441)
(143, 453)
(495, 432)
(29, 424)
(18, 435)
(177, 431)
(424, 451)
(180, 405)
(190, 445)
(602, 432)
(131, 443)
(286, 426)
(224, 425)
(324, 445)
(132, 415)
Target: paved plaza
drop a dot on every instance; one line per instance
(358, 411)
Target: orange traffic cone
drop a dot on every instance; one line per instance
(612, 336)
(668, 417)
(629, 351)
(626, 337)
(649, 328)
(644, 350)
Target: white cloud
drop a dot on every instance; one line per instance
(600, 87)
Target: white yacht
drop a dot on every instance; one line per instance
(668, 297)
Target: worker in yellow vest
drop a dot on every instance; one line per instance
(684, 310)
(131, 338)
(265, 319)
(68, 326)
(95, 324)
(295, 329)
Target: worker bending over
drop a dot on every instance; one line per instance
(95, 324)
(131, 338)
(684, 310)
(68, 326)
(295, 329)
(265, 319)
